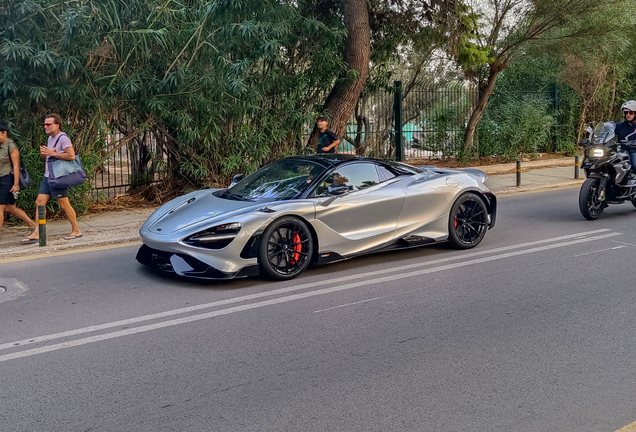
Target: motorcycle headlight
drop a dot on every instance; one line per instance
(597, 152)
(216, 237)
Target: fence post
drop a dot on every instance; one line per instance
(554, 95)
(397, 110)
(518, 173)
(577, 164)
(42, 224)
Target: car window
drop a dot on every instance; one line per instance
(356, 177)
(385, 174)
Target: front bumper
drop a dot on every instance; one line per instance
(188, 266)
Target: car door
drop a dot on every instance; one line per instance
(364, 217)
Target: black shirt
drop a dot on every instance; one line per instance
(326, 138)
(625, 131)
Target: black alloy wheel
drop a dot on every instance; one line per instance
(591, 207)
(285, 248)
(468, 221)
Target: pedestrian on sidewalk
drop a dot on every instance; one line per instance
(58, 146)
(328, 141)
(10, 179)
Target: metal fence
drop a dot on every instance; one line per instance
(370, 131)
(423, 121)
(135, 163)
(434, 120)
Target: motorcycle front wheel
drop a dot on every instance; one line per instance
(591, 207)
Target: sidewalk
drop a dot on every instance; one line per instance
(116, 227)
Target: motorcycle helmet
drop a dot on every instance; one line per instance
(629, 106)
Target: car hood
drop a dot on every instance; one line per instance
(195, 209)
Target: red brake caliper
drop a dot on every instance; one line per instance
(297, 248)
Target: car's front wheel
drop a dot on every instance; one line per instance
(285, 248)
(468, 221)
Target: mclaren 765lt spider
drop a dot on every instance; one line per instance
(315, 209)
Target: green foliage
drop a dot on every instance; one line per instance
(516, 123)
(223, 86)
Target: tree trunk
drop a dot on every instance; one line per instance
(478, 112)
(342, 100)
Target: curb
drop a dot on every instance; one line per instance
(528, 165)
(52, 249)
(513, 190)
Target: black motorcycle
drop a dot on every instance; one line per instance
(608, 171)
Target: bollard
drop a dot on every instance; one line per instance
(577, 164)
(42, 224)
(518, 173)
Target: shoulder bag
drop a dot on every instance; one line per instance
(24, 177)
(64, 174)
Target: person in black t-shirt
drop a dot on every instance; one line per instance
(328, 141)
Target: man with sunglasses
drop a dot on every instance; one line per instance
(626, 130)
(58, 146)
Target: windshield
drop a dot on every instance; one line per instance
(603, 132)
(281, 180)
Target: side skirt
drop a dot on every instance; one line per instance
(408, 242)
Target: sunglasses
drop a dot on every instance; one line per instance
(49, 124)
(628, 112)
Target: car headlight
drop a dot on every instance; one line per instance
(597, 152)
(216, 237)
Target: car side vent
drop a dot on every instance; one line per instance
(266, 210)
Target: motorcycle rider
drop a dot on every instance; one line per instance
(626, 130)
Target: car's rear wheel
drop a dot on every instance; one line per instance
(468, 221)
(285, 248)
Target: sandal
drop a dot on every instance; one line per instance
(28, 241)
(28, 232)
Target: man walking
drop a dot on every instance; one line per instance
(328, 141)
(58, 146)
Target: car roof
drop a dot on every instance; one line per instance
(335, 159)
(332, 160)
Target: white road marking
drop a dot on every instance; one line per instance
(235, 309)
(348, 304)
(136, 320)
(599, 251)
(623, 243)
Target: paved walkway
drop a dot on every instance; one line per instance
(107, 228)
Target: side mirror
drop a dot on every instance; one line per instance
(338, 190)
(236, 179)
(589, 130)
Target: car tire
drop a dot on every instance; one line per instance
(468, 221)
(285, 248)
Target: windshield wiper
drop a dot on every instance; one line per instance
(234, 196)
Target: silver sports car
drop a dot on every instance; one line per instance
(315, 209)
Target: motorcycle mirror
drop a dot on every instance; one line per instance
(589, 130)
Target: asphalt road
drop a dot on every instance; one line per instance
(531, 331)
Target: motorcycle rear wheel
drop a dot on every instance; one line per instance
(591, 208)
